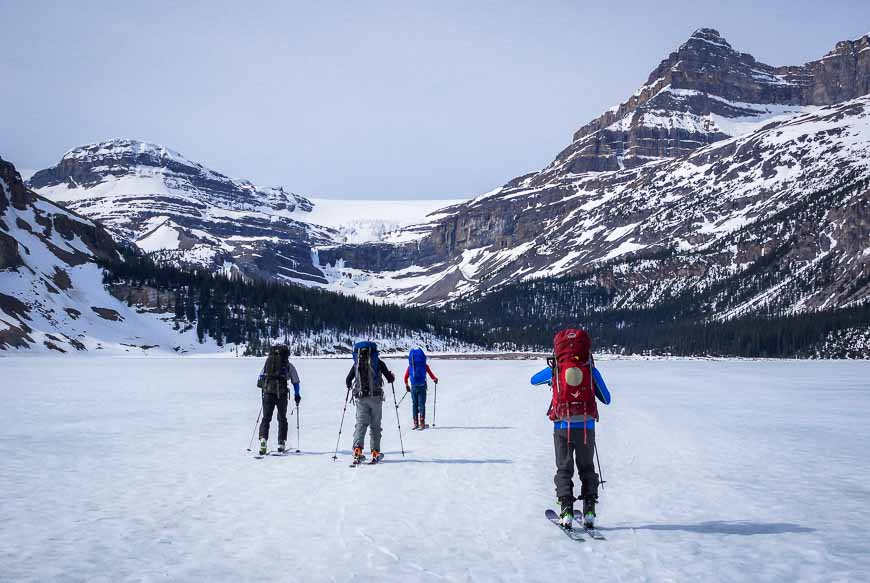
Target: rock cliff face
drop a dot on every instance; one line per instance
(714, 144)
(47, 269)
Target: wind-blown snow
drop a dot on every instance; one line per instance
(135, 469)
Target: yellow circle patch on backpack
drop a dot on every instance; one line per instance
(574, 376)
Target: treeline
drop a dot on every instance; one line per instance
(526, 316)
(260, 313)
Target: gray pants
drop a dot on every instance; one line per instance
(566, 452)
(369, 411)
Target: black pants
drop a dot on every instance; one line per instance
(270, 401)
(566, 453)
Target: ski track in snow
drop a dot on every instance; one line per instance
(135, 469)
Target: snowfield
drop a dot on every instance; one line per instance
(135, 469)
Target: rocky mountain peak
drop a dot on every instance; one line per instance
(851, 47)
(12, 189)
(121, 148)
(706, 91)
(90, 164)
(708, 38)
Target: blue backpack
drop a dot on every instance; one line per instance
(417, 366)
(367, 377)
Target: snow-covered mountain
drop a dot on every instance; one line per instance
(163, 202)
(52, 298)
(714, 143)
(706, 91)
(56, 297)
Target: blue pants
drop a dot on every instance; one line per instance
(418, 401)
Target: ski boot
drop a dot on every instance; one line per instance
(566, 515)
(281, 447)
(422, 422)
(357, 455)
(262, 446)
(376, 456)
(589, 510)
(416, 424)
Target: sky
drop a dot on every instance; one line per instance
(360, 99)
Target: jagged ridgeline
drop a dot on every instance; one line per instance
(716, 307)
(259, 313)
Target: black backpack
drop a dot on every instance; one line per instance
(272, 370)
(367, 376)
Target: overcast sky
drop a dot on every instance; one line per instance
(360, 99)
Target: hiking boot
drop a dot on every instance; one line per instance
(416, 424)
(422, 422)
(280, 447)
(566, 515)
(376, 456)
(589, 511)
(357, 454)
(262, 446)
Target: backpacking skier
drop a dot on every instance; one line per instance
(273, 381)
(576, 384)
(416, 374)
(368, 393)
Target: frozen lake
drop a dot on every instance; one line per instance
(117, 469)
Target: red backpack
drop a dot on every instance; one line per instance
(573, 393)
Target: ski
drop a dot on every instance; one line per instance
(275, 453)
(593, 532)
(569, 532)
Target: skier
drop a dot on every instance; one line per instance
(368, 392)
(576, 384)
(416, 373)
(273, 382)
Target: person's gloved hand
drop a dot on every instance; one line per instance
(297, 398)
(436, 380)
(408, 388)
(391, 377)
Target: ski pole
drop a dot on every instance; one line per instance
(337, 441)
(402, 445)
(250, 443)
(298, 414)
(435, 404)
(601, 480)
(402, 399)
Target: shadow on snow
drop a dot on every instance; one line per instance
(469, 427)
(446, 461)
(736, 527)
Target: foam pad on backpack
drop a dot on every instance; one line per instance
(574, 376)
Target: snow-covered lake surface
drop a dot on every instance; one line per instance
(120, 469)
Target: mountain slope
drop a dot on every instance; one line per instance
(684, 195)
(51, 292)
